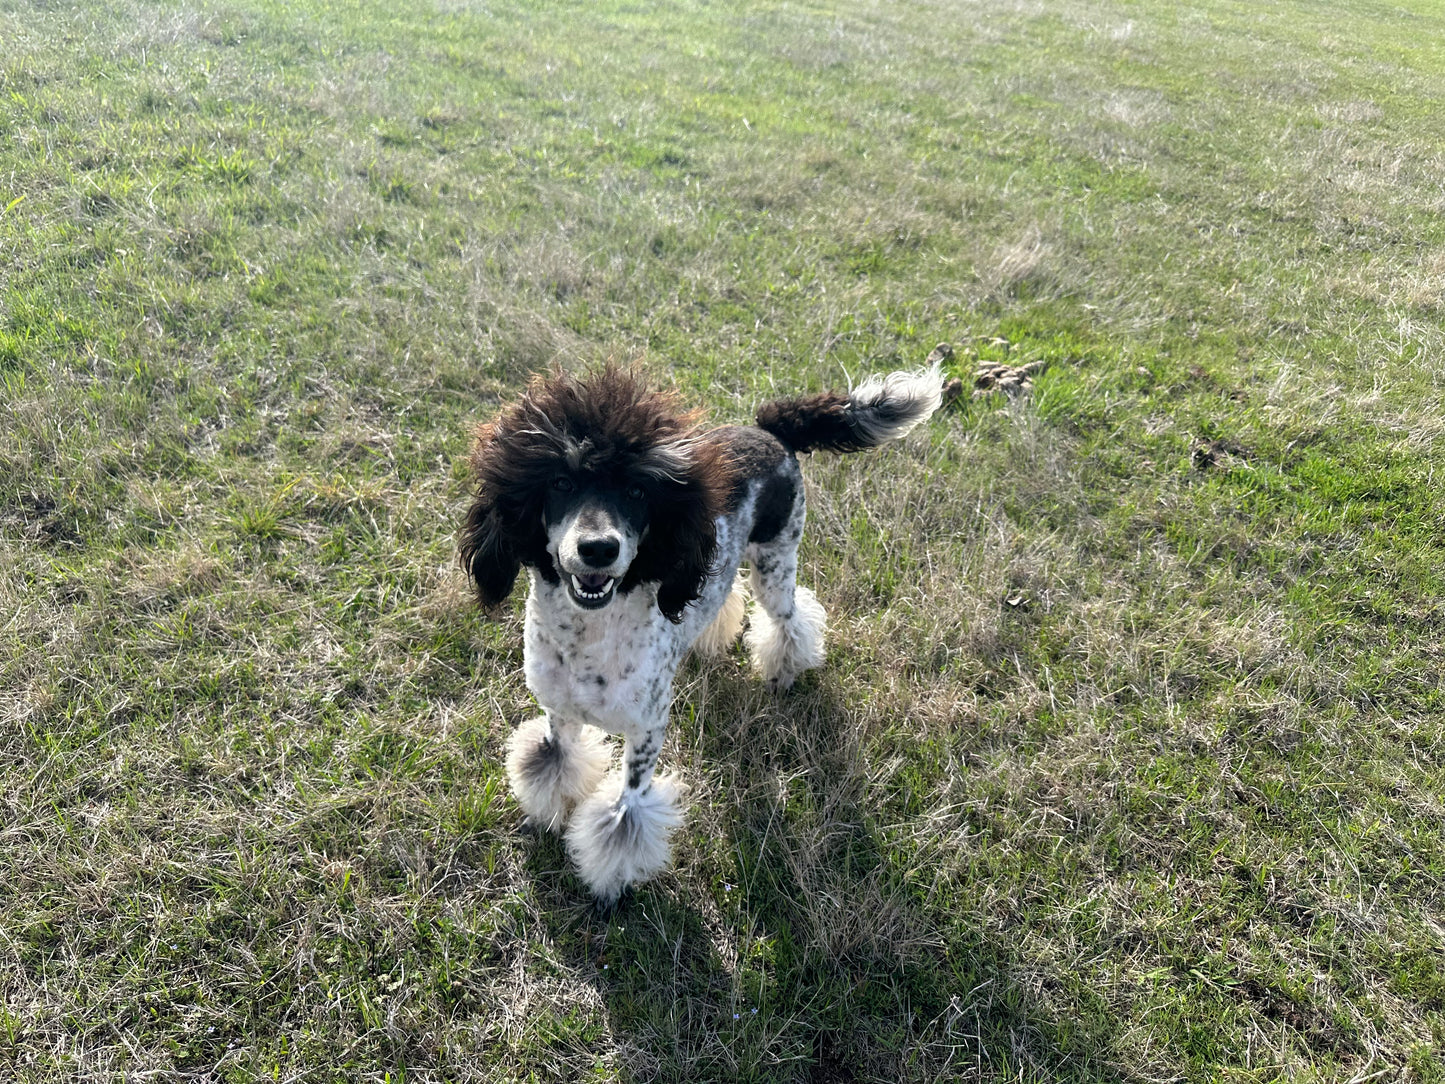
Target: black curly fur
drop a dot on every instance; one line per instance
(607, 424)
(814, 422)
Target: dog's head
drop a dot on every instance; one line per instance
(599, 484)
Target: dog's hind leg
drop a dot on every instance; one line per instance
(786, 633)
(726, 626)
(552, 764)
(622, 834)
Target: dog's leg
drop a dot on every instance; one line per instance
(786, 631)
(553, 763)
(622, 834)
(726, 626)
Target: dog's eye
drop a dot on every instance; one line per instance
(635, 493)
(562, 484)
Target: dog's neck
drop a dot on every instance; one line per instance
(562, 620)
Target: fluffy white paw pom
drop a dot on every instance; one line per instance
(615, 844)
(551, 769)
(726, 626)
(782, 650)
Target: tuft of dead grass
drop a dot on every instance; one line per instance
(1028, 263)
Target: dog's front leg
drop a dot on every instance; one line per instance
(622, 834)
(554, 762)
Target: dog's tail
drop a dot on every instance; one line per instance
(880, 409)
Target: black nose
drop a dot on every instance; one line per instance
(598, 552)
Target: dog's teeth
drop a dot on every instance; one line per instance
(582, 592)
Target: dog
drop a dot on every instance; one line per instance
(632, 521)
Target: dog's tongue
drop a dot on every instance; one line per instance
(593, 581)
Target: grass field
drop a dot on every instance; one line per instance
(1126, 762)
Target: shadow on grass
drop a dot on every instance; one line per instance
(795, 948)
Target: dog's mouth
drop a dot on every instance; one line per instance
(591, 591)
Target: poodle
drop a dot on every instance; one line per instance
(632, 522)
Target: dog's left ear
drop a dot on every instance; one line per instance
(691, 480)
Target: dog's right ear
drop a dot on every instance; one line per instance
(513, 459)
(486, 554)
(490, 551)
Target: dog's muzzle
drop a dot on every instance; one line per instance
(592, 589)
(594, 549)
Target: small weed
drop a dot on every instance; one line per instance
(262, 521)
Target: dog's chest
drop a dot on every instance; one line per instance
(611, 667)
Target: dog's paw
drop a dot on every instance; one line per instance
(782, 650)
(606, 909)
(552, 768)
(617, 840)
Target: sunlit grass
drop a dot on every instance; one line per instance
(1126, 759)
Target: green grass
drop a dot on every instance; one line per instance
(1126, 762)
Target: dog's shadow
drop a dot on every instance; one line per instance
(799, 939)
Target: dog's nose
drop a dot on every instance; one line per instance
(598, 552)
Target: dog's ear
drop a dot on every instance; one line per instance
(689, 481)
(486, 554)
(503, 528)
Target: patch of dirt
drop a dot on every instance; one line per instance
(1314, 1024)
(1208, 454)
(40, 519)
